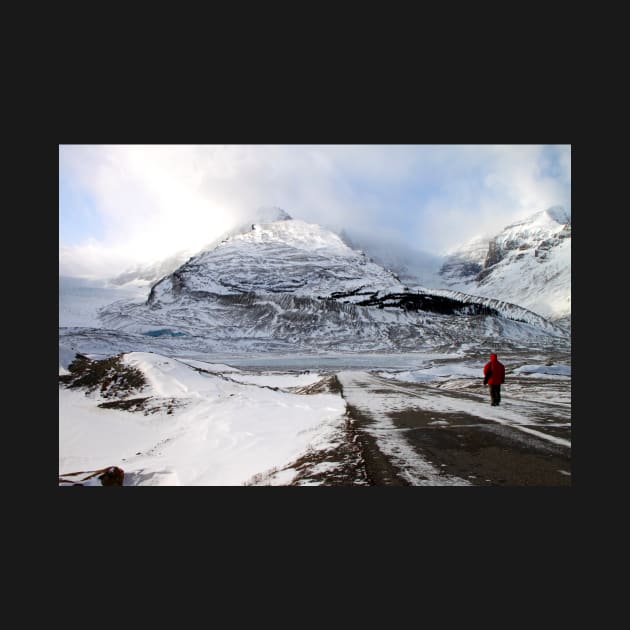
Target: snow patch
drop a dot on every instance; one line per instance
(554, 370)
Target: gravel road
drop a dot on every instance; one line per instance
(448, 434)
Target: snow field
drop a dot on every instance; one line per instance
(220, 432)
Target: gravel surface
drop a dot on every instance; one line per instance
(448, 434)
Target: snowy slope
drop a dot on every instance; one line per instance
(528, 263)
(280, 257)
(506, 309)
(197, 427)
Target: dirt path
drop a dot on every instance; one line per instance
(425, 434)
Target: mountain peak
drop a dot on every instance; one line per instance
(270, 214)
(552, 219)
(528, 263)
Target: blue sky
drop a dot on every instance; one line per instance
(122, 205)
(79, 218)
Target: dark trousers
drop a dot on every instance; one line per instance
(495, 394)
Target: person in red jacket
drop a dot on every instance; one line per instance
(494, 377)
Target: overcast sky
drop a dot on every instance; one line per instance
(120, 205)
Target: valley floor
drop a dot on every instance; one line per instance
(427, 420)
(351, 420)
(420, 434)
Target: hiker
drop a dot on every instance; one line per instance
(494, 377)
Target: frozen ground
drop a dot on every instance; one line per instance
(433, 421)
(408, 419)
(189, 426)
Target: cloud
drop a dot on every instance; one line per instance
(93, 260)
(149, 200)
(489, 188)
(152, 201)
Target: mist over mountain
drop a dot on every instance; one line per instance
(148, 274)
(411, 266)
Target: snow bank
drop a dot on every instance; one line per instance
(435, 373)
(277, 380)
(66, 356)
(543, 370)
(200, 429)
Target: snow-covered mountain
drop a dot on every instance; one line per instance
(287, 285)
(528, 263)
(287, 256)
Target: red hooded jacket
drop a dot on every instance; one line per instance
(496, 371)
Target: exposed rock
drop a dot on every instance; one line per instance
(494, 256)
(113, 476)
(110, 375)
(109, 476)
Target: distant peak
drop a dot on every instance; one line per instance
(543, 218)
(269, 214)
